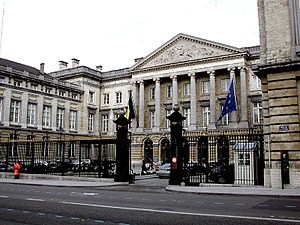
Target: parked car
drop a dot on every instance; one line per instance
(164, 170)
(222, 173)
(6, 167)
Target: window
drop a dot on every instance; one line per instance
(119, 97)
(91, 121)
(152, 119)
(60, 118)
(205, 116)
(31, 114)
(257, 113)
(152, 93)
(34, 87)
(255, 82)
(1, 108)
(225, 119)
(59, 149)
(92, 97)
(244, 159)
(73, 120)
(61, 93)
(72, 149)
(295, 26)
(187, 114)
(105, 99)
(186, 89)
(115, 125)
(17, 83)
(45, 147)
(168, 113)
(169, 91)
(105, 123)
(105, 150)
(14, 146)
(205, 87)
(2, 80)
(48, 90)
(29, 146)
(15, 110)
(225, 83)
(47, 116)
(75, 96)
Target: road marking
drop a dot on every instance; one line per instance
(89, 193)
(239, 204)
(3, 196)
(181, 213)
(35, 199)
(219, 203)
(290, 206)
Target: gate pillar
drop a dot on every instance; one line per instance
(122, 149)
(177, 155)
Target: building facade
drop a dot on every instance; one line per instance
(78, 101)
(279, 71)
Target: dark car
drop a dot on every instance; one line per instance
(222, 173)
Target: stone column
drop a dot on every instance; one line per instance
(212, 100)
(54, 114)
(233, 123)
(24, 109)
(141, 105)
(175, 91)
(193, 101)
(135, 100)
(157, 103)
(244, 109)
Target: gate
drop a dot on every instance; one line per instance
(88, 157)
(232, 157)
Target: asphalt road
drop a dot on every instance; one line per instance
(145, 202)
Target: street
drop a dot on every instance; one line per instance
(144, 202)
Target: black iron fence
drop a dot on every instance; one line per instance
(232, 157)
(93, 158)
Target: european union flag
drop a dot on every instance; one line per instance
(230, 102)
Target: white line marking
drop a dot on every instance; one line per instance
(290, 206)
(240, 204)
(35, 199)
(3, 196)
(181, 213)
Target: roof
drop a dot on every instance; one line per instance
(19, 66)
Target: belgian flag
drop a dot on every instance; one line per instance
(130, 110)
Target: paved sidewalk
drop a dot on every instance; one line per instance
(232, 190)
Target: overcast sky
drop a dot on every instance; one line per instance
(112, 33)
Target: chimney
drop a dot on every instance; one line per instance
(75, 63)
(99, 68)
(42, 68)
(138, 59)
(63, 65)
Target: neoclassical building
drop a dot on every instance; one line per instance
(77, 101)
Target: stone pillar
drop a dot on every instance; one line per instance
(193, 101)
(135, 100)
(212, 100)
(157, 103)
(141, 105)
(54, 114)
(233, 123)
(244, 109)
(6, 103)
(24, 110)
(175, 91)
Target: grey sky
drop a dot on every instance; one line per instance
(112, 33)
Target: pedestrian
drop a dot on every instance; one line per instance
(17, 168)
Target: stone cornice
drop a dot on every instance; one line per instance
(189, 63)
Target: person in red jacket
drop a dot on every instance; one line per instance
(17, 168)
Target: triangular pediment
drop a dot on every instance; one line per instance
(183, 49)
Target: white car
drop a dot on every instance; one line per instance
(164, 170)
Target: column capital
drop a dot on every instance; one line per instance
(191, 74)
(140, 81)
(157, 80)
(242, 68)
(211, 72)
(173, 77)
(231, 68)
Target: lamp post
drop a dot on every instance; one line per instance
(176, 174)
